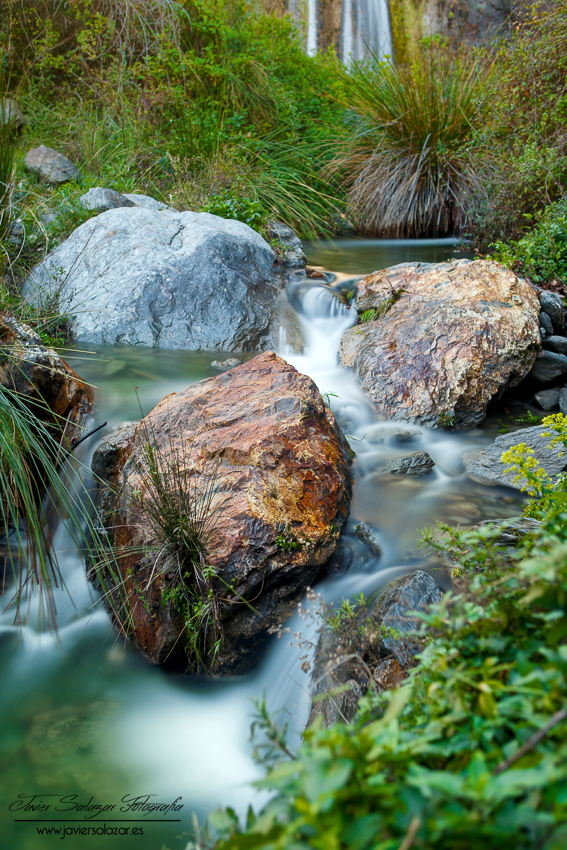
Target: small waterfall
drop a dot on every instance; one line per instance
(364, 27)
(312, 28)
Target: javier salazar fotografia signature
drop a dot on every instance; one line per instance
(46, 808)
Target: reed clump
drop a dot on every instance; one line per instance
(414, 163)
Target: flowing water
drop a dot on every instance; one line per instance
(83, 715)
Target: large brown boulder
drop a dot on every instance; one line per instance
(447, 338)
(260, 441)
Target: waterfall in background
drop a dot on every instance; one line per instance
(347, 33)
(312, 28)
(364, 27)
(372, 25)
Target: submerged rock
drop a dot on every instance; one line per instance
(163, 278)
(486, 463)
(417, 463)
(260, 441)
(378, 643)
(53, 166)
(451, 337)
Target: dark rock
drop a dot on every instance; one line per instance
(51, 165)
(548, 367)
(104, 199)
(368, 536)
(486, 463)
(281, 477)
(556, 343)
(344, 659)
(289, 244)
(457, 335)
(417, 463)
(552, 304)
(546, 323)
(167, 279)
(547, 399)
(563, 401)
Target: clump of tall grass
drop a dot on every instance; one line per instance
(7, 157)
(35, 460)
(411, 167)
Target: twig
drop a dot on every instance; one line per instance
(531, 742)
(410, 834)
(76, 443)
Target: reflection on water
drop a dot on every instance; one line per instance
(357, 256)
(83, 714)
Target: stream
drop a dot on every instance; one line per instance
(84, 715)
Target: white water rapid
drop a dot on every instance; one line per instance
(83, 713)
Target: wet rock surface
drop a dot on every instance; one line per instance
(290, 244)
(163, 278)
(51, 165)
(452, 337)
(282, 487)
(416, 463)
(486, 463)
(57, 395)
(385, 652)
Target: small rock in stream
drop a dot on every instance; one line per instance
(417, 463)
(548, 399)
(226, 364)
(368, 536)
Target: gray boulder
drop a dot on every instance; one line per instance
(416, 463)
(555, 343)
(290, 244)
(548, 367)
(10, 113)
(368, 536)
(547, 399)
(486, 463)
(168, 279)
(146, 201)
(552, 304)
(100, 199)
(51, 165)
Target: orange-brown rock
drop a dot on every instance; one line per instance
(281, 468)
(41, 377)
(458, 335)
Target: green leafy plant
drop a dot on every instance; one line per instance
(542, 254)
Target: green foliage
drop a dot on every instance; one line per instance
(542, 254)
(411, 167)
(525, 133)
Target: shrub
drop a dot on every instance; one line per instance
(542, 254)
(525, 127)
(411, 168)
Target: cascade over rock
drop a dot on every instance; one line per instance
(449, 337)
(162, 278)
(280, 468)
